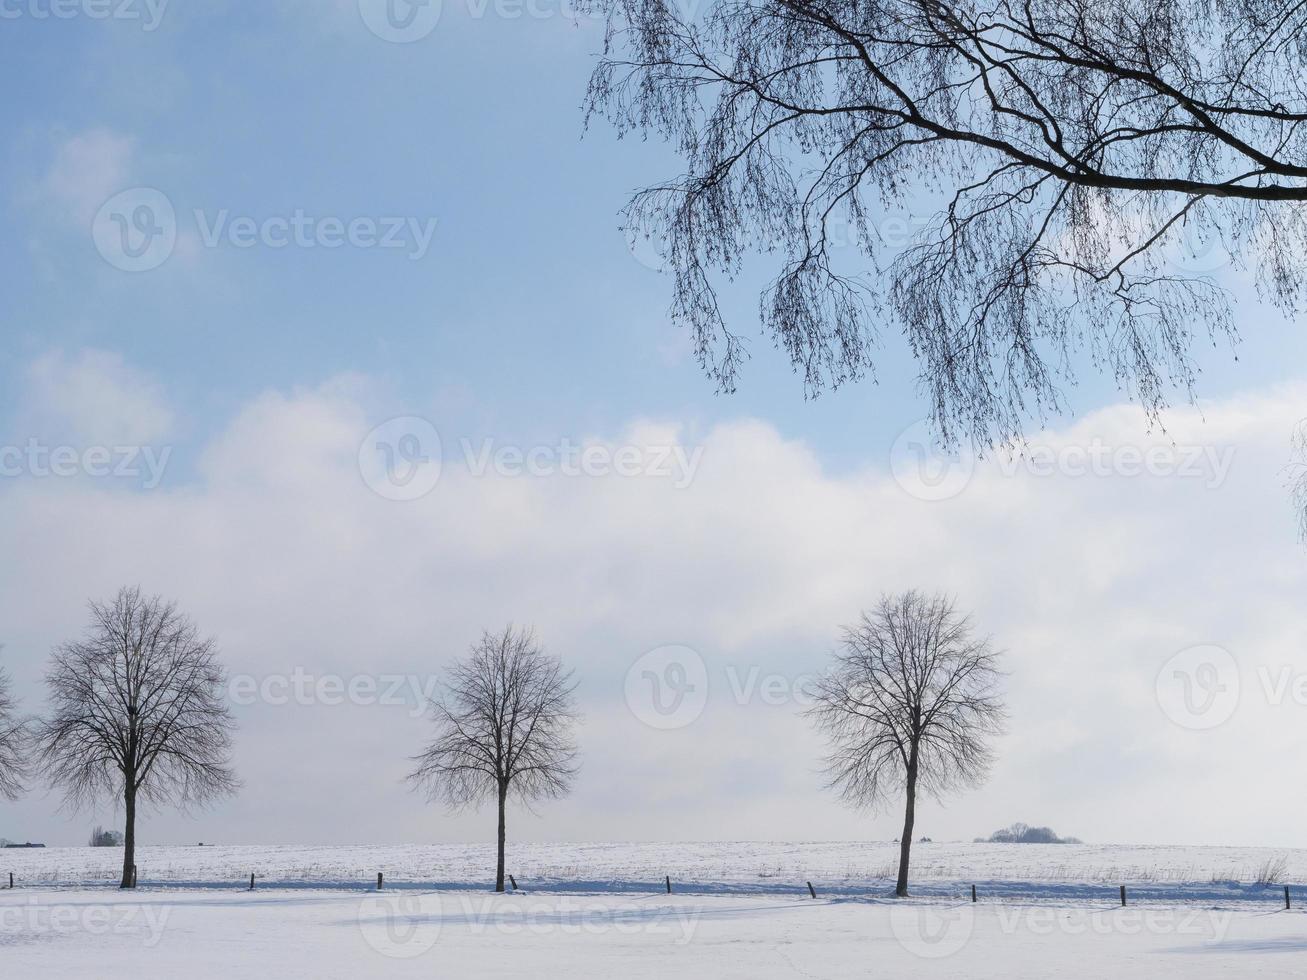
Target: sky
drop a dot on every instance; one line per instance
(390, 374)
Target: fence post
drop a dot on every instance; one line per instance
(1286, 897)
(11, 879)
(380, 880)
(812, 891)
(1123, 895)
(669, 884)
(251, 881)
(513, 882)
(973, 894)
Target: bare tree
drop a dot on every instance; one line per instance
(504, 729)
(137, 713)
(1075, 155)
(910, 704)
(14, 735)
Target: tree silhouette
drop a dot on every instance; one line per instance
(910, 704)
(1072, 153)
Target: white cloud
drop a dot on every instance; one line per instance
(92, 398)
(1090, 582)
(88, 168)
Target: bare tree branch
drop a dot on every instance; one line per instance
(1072, 151)
(15, 735)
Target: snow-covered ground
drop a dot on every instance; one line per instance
(207, 935)
(601, 910)
(1027, 871)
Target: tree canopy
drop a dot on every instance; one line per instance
(1071, 152)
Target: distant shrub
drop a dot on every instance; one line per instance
(1273, 871)
(106, 838)
(1020, 833)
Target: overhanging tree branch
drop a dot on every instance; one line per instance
(1073, 151)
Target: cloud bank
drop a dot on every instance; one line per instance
(1093, 560)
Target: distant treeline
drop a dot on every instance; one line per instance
(1020, 833)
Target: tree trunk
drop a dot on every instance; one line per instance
(499, 870)
(905, 842)
(129, 840)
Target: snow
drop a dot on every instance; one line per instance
(839, 868)
(207, 935)
(600, 910)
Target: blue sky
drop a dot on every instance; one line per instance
(528, 321)
(527, 315)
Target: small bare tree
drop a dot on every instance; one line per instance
(504, 728)
(14, 732)
(910, 703)
(137, 713)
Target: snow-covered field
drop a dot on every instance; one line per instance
(1028, 871)
(601, 910)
